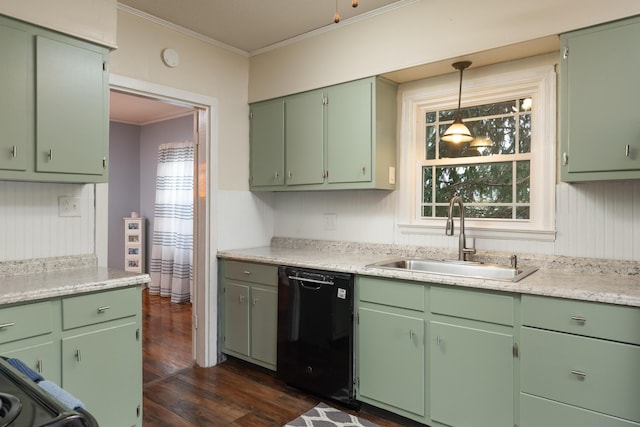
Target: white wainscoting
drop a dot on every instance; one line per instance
(594, 220)
(245, 219)
(31, 226)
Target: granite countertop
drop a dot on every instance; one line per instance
(36, 283)
(589, 280)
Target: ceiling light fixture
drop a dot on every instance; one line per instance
(458, 132)
(482, 144)
(336, 16)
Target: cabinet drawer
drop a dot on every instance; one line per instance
(537, 412)
(252, 272)
(590, 373)
(100, 307)
(592, 319)
(394, 293)
(26, 321)
(474, 305)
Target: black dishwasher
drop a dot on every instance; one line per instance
(315, 332)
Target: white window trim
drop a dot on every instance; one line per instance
(535, 76)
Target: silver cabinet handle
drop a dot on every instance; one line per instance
(104, 163)
(241, 299)
(246, 272)
(627, 150)
(39, 366)
(78, 356)
(290, 174)
(103, 308)
(277, 175)
(410, 335)
(50, 154)
(14, 151)
(579, 374)
(579, 319)
(255, 301)
(438, 341)
(364, 169)
(6, 325)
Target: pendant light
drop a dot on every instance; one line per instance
(458, 132)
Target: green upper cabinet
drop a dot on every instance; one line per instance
(267, 143)
(71, 108)
(14, 94)
(339, 137)
(54, 106)
(349, 132)
(599, 126)
(304, 133)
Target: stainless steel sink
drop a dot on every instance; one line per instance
(458, 268)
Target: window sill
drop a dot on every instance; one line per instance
(481, 233)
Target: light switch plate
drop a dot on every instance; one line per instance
(392, 175)
(68, 206)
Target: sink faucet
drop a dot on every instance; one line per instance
(463, 251)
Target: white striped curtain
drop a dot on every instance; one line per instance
(172, 246)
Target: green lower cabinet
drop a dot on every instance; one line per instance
(250, 322)
(44, 358)
(539, 412)
(471, 376)
(97, 367)
(391, 361)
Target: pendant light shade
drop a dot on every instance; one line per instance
(458, 132)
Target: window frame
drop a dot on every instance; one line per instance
(532, 77)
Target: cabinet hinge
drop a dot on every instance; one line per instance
(138, 334)
(195, 322)
(565, 159)
(358, 381)
(516, 351)
(565, 52)
(325, 100)
(357, 318)
(250, 115)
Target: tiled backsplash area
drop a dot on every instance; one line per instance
(40, 265)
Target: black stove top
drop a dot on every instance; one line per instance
(25, 404)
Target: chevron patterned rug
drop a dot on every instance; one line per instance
(324, 415)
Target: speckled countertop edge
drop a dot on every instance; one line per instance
(614, 282)
(57, 277)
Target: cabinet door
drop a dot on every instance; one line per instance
(599, 98)
(349, 132)
(71, 109)
(391, 359)
(15, 103)
(304, 136)
(236, 318)
(264, 312)
(104, 370)
(43, 358)
(267, 143)
(471, 376)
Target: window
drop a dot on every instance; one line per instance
(507, 187)
(492, 173)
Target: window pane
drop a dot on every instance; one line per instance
(483, 183)
(506, 107)
(525, 133)
(427, 185)
(523, 181)
(431, 143)
(431, 117)
(488, 212)
(426, 211)
(522, 212)
(501, 131)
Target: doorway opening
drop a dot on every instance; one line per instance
(202, 111)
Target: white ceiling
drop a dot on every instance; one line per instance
(250, 25)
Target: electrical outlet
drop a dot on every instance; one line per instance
(330, 221)
(68, 206)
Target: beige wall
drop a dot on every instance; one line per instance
(204, 69)
(93, 20)
(421, 33)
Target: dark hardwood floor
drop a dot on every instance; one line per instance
(233, 393)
